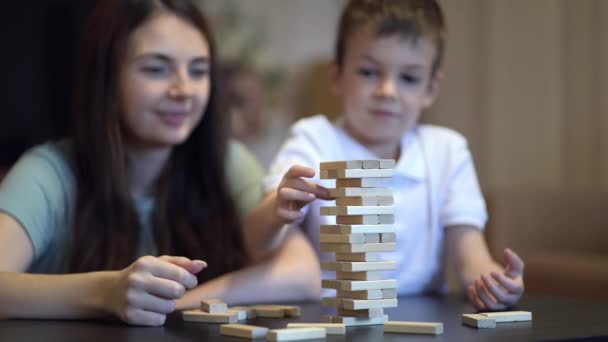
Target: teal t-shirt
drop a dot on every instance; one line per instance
(39, 192)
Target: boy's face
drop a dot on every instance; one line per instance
(385, 83)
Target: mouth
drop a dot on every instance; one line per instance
(173, 118)
(382, 113)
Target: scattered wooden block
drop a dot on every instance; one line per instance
(357, 210)
(358, 248)
(363, 183)
(357, 229)
(213, 306)
(206, 317)
(249, 311)
(242, 314)
(478, 321)
(242, 330)
(268, 311)
(367, 294)
(430, 328)
(290, 310)
(342, 238)
(296, 334)
(360, 304)
(509, 316)
(330, 328)
(367, 275)
(351, 192)
(358, 321)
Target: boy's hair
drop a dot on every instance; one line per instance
(410, 19)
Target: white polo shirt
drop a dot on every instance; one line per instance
(434, 186)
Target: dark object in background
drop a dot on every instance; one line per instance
(41, 41)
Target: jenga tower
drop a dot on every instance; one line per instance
(364, 226)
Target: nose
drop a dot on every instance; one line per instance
(181, 85)
(387, 88)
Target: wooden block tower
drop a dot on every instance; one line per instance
(364, 226)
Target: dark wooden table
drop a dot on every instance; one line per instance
(553, 319)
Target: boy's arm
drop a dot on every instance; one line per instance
(489, 285)
(291, 273)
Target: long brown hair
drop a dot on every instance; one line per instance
(194, 215)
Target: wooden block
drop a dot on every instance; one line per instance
(365, 200)
(206, 317)
(367, 294)
(357, 248)
(366, 275)
(371, 164)
(343, 164)
(290, 310)
(362, 313)
(357, 210)
(387, 163)
(359, 304)
(213, 306)
(330, 328)
(358, 219)
(357, 229)
(478, 321)
(388, 237)
(296, 334)
(372, 238)
(268, 311)
(359, 285)
(345, 266)
(242, 314)
(328, 174)
(359, 321)
(342, 238)
(331, 301)
(363, 173)
(386, 219)
(359, 257)
(363, 183)
(350, 192)
(509, 316)
(242, 330)
(249, 311)
(389, 293)
(430, 328)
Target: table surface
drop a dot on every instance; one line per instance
(553, 319)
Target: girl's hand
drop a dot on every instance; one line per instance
(146, 291)
(499, 291)
(294, 193)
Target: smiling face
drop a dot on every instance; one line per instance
(385, 83)
(164, 82)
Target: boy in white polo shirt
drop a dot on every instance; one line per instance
(386, 71)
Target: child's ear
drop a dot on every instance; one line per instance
(335, 79)
(433, 89)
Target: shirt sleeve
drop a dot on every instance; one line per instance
(464, 203)
(244, 178)
(34, 194)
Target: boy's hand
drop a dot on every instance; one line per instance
(499, 291)
(146, 291)
(294, 193)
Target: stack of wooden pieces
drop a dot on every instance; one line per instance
(364, 227)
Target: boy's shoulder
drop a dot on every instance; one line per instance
(316, 124)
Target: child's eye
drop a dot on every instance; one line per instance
(410, 79)
(199, 71)
(367, 72)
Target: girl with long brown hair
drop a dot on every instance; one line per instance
(149, 171)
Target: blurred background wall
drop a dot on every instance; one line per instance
(525, 82)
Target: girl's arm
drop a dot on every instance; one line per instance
(291, 273)
(142, 293)
(489, 285)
